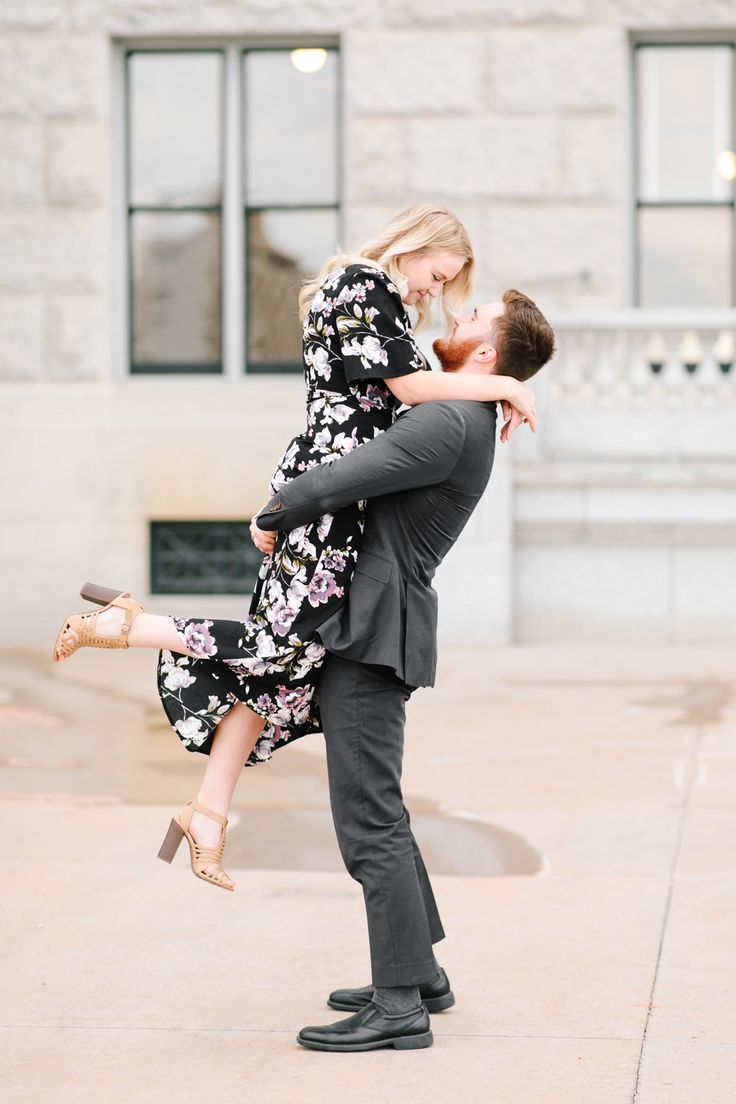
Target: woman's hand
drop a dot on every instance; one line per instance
(525, 401)
(265, 542)
(513, 419)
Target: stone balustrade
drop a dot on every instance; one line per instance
(644, 360)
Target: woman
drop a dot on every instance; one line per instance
(236, 690)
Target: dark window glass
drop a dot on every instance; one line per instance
(203, 557)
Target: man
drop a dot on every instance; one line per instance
(423, 478)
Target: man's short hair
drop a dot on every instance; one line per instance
(522, 336)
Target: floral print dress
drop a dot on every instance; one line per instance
(356, 335)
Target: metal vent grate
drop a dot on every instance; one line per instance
(203, 557)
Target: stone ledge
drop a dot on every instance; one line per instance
(626, 534)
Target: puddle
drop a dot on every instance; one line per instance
(300, 835)
(700, 703)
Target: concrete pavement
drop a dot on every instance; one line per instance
(576, 808)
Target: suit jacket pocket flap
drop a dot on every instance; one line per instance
(374, 566)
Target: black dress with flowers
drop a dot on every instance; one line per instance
(356, 335)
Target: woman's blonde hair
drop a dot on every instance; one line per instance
(421, 229)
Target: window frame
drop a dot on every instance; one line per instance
(233, 209)
(637, 203)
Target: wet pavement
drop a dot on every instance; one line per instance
(575, 808)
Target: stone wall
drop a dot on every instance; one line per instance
(514, 112)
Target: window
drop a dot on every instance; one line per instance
(203, 557)
(685, 167)
(232, 201)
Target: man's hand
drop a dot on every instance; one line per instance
(264, 542)
(513, 419)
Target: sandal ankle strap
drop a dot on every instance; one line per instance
(208, 812)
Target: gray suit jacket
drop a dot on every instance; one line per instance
(423, 477)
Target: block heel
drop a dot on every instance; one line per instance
(172, 839)
(93, 592)
(200, 857)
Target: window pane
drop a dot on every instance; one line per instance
(685, 257)
(176, 292)
(290, 130)
(284, 248)
(684, 121)
(175, 123)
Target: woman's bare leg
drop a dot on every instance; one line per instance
(235, 736)
(148, 630)
(234, 739)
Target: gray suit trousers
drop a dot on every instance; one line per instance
(363, 714)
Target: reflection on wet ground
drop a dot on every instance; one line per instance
(60, 737)
(699, 703)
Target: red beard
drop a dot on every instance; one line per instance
(452, 355)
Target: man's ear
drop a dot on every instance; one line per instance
(487, 355)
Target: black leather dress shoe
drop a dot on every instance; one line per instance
(369, 1029)
(437, 995)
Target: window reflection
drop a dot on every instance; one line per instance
(176, 298)
(175, 113)
(290, 147)
(684, 121)
(685, 257)
(284, 249)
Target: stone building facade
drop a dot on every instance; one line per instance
(616, 522)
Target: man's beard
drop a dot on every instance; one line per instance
(452, 355)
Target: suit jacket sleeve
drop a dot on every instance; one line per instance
(421, 448)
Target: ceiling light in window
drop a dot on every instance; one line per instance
(727, 164)
(308, 61)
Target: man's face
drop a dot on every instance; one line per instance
(469, 345)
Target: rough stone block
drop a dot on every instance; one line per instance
(592, 151)
(76, 246)
(557, 69)
(663, 13)
(21, 337)
(53, 75)
(561, 254)
(409, 71)
(76, 338)
(76, 162)
(482, 12)
(482, 156)
(375, 159)
(32, 13)
(21, 251)
(21, 164)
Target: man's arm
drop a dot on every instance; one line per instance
(420, 448)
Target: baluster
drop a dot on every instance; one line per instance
(604, 373)
(724, 354)
(690, 355)
(639, 371)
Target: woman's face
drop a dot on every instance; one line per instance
(427, 272)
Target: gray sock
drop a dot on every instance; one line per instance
(396, 999)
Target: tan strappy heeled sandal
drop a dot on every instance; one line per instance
(200, 857)
(84, 625)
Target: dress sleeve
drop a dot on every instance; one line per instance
(376, 339)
